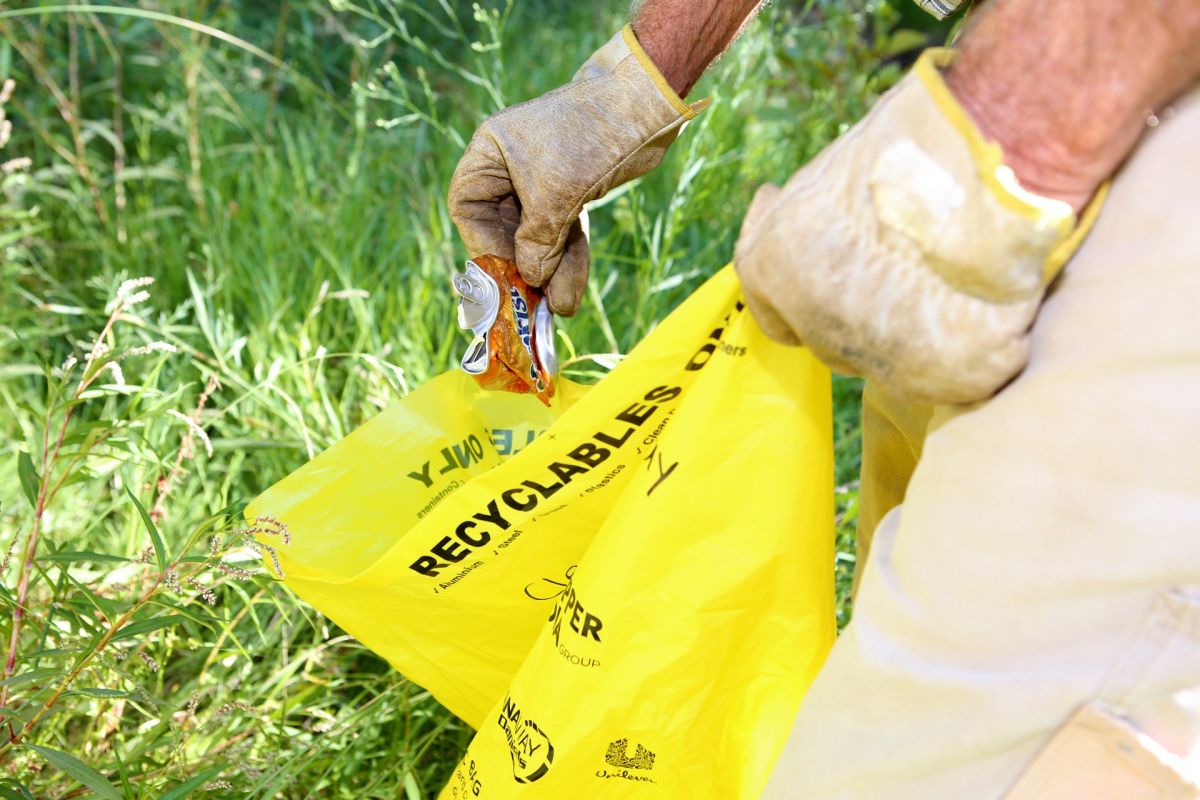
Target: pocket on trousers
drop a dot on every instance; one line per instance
(1139, 738)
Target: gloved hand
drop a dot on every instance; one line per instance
(906, 251)
(530, 169)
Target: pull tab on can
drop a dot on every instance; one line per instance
(478, 299)
(513, 348)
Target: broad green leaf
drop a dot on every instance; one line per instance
(79, 475)
(69, 556)
(160, 552)
(89, 648)
(52, 652)
(31, 676)
(904, 40)
(30, 481)
(99, 692)
(78, 770)
(13, 789)
(199, 302)
(195, 614)
(182, 790)
(84, 599)
(147, 625)
(411, 790)
(126, 789)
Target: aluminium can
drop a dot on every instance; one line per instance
(513, 345)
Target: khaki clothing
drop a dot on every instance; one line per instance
(1028, 619)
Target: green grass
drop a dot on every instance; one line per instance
(294, 220)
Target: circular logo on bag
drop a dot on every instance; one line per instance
(530, 748)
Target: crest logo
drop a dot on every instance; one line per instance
(618, 756)
(530, 748)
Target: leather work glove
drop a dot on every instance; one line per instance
(530, 169)
(906, 251)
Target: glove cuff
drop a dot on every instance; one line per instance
(990, 160)
(625, 45)
(685, 110)
(944, 185)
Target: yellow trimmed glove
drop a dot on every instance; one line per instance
(530, 169)
(906, 251)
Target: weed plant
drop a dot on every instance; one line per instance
(224, 245)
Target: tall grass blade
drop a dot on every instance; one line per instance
(185, 789)
(78, 770)
(29, 477)
(147, 625)
(160, 550)
(12, 789)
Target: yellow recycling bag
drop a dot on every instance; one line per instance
(625, 593)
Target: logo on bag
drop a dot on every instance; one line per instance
(550, 588)
(568, 608)
(530, 748)
(619, 757)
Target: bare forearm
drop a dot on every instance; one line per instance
(1067, 87)
(683, 37)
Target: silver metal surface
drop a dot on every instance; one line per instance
(543, 337)
(478, 300)
(475, 360)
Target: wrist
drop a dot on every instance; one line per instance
(680, 66)
(675, 70)
(1066, 168)
(682, 37)
(1066, 88)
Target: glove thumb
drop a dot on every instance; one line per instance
(764, 200)
(756, 286)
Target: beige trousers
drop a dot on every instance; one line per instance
(1028, 620)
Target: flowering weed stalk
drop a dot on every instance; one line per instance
(172, 577)
(45, 480)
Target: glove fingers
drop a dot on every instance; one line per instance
(769, 320)
(764, 199)
(483, 204)
(510, 218)
(536, 258)
(568, 283)
(756, 287)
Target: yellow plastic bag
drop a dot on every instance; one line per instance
(634, 600)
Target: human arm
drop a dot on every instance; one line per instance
(683, 37)
(1067, 88)
(916, 249)
(530, 169)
